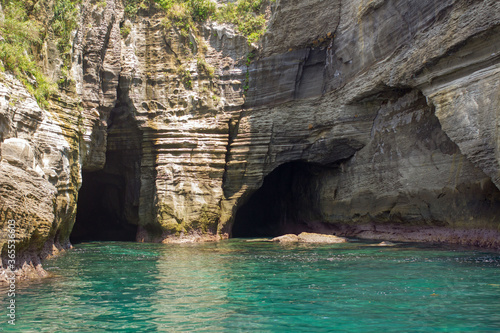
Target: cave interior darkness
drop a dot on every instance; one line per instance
(283, 204)
(108, 200)
(100, 214)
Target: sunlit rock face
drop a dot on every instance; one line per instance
(39, 174)
(369, 118)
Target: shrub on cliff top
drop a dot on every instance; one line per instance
(63, 23)
(180, 16)
(201, 9)
(21, 36)
(183, 14)
(133, 6)
(25, 26)
(244, 14)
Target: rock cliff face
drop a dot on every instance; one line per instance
(390, 110)
(362, 118)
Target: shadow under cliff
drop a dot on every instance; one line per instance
(399, 176)
(108, 202)
(283, 204)
(100, 205)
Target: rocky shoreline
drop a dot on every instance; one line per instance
(377, 119)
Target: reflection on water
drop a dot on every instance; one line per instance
(191, 290)
(260, 286)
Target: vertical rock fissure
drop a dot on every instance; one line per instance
(233, 125)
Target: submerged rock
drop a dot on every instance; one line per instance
(258, 240)
(307, 237)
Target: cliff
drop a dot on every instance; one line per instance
(375, 119)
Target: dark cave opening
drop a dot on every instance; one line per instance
(108, 201)
(101, 206)
(283, 204)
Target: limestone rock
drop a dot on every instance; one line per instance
(307, 237)
(39, 174)
(386, 243)
(288, 238)
(318, 23)
(393, 117)
(18, 151)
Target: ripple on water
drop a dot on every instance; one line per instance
(245, 286)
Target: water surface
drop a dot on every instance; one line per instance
(240, 286)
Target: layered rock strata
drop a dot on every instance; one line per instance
(39, 174)
(368, 118)
(382, 117)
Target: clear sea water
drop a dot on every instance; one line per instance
(240, 286)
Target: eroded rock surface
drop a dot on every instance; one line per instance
(395, 126)
(39, 174)
(375, 119)
(308, 237)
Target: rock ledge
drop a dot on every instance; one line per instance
(307, 237)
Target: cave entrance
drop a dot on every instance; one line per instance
(108, 201)
(283, 204)
(101, 210)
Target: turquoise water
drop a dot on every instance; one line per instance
(239, 286)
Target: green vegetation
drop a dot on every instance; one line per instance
(245, 14)
(203, 67)
(250, 57)
(21, 37)
(198, 10)
(125, 29)
(246, 84)
(27, 23)
(179, 15)
(24, 29)
(201, 9)
(133, 6)
(63, 23)
(185, 76)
